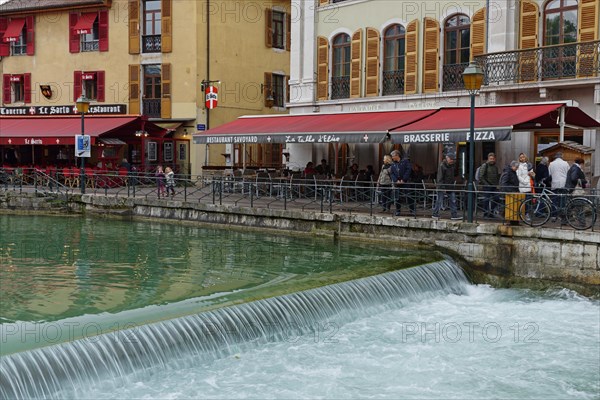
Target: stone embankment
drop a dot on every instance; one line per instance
(500, 255)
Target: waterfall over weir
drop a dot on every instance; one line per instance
(57, 371)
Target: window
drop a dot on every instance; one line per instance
(19, 46)
(457, 50)
(340, 83)
(278, 90)
(88, 31)
(152, 91)
(90, 41)
(17, 88)
(152, 27)
(394, 49)
(89, 84)
(560, 27)
(278, 29)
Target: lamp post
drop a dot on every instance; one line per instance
(472, 78)
(83, 105)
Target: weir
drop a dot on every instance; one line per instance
(61, 370)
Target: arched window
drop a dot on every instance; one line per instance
(340, 80)
(457, 49)
(560, 27)
(394, 49)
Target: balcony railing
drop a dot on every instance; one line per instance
(393, 82)
(152, 44)
(151, 108)
(340, 87)
(91, 45)
(452, 79)
(574, 60)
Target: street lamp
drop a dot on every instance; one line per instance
(83, 105)
(472, 78)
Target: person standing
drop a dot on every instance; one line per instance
(525, 174)
(542, 175)
(160, 181)
(559, 169)
(384, 183)
(576, 176)
(400, 173)
(489, 177)
(323, 168)
(445, 184)
(170, 178)
(509, 185)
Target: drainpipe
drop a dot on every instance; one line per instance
(207, 74)
(487, 25)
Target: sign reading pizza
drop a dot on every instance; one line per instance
(212, 97)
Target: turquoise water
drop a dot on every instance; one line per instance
(67, 277)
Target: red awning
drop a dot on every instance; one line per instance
(14, 29)
(364, 127)
(493, 123)
(85, 23)
(62, 130)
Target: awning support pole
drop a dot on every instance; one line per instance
(561, 124)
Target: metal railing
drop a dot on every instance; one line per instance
(340, 87)
(452, 78)
(393, 82)
(91, 45)
(262, 190)
(581, 59)
(151, 108)
(151, 44)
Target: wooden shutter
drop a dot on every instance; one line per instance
(30, 32)
(268, 88)
(100, 85)
(134, 89)
(372, 63)
(134, 29)
(76, 85)
(268, 27)
(103, 30)
(588, 31)
(355, 63)
(4, 47)
(431, 44)
(165, 102)
(167, 29)
(287, 89)
(74, 38)
(6, 98)
(411, 60)
(528, 39)
(27, 88)
(478, 34)
(323, 2)
(288, 31)
(322, 68)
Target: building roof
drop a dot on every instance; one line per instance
(18, 6)
(567, 144)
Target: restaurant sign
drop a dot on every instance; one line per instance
(95, 109)
(489, 135)
(347, 137)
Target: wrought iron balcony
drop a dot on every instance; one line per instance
(151, 108)
(452, 78)
(393, 82)
(151, 44)
(91, 45)
(574, 60)
(340, 87)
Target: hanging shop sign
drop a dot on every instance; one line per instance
(95, 109)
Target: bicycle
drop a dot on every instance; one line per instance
(578, 212)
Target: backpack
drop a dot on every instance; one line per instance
(477, 174)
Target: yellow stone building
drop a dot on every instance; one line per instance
(149, 57)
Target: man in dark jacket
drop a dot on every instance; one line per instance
(575, 176)
(445, 184)
(489, 179)
(509, 182)
(400, 173)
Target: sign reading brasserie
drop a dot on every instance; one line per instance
(97, 109)
(491, 135)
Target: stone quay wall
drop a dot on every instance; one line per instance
(503, 256)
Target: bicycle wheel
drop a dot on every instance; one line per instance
(580, 213)
(535, 211)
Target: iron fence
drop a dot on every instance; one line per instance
(151, 44)
(574, 60)
(393, 82)
(340, 87)
(263, 190)
(452, 78)
(151, 108)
